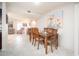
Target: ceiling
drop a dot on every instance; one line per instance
(19, 9)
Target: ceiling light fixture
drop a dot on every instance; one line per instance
(29, 11)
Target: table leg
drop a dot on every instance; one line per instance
(30, 37)
(46, 45)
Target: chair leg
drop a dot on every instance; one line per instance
(32, 40)
(38, 45)
(51, 48)
(46, 49)
(57, 42)
(46, 45)
(35, 42)
(56, 45)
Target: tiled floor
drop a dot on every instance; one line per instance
(19, 45)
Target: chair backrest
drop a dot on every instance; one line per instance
(35, 30)
(51, 31)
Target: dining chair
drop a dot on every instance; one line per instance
(52, 38)
(37, 38)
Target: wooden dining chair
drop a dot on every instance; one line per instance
(37, 37)
(33, 35)
(52, 38)
(29, 32)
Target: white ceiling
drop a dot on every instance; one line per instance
(19, 9)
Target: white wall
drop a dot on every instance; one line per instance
(41, 23)
(76, 33)
(78, 26)
(4, 28)
(68, 27)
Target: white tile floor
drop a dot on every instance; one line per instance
(19, 45)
